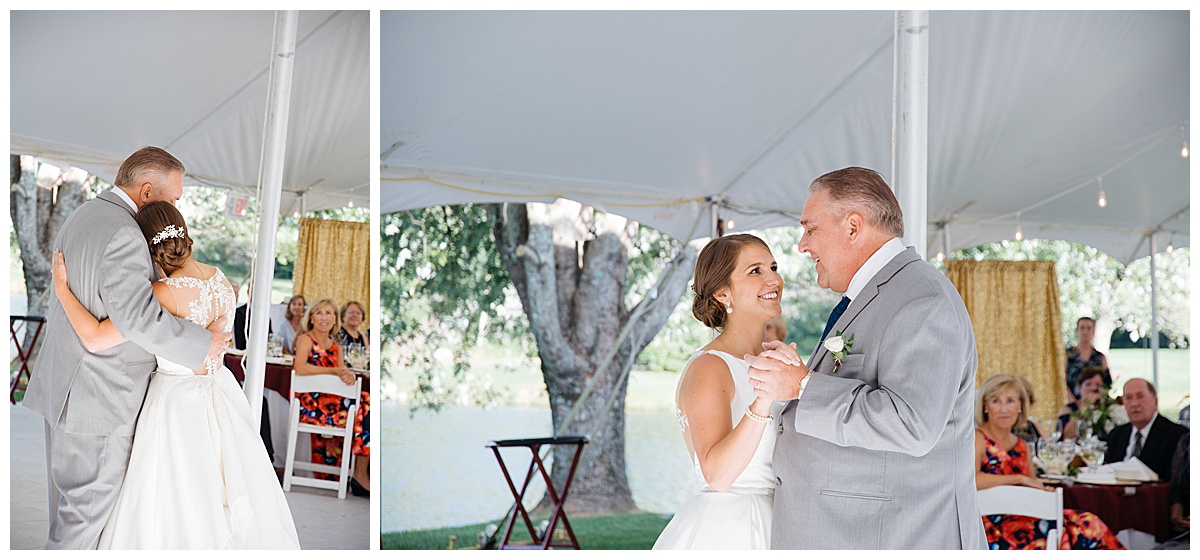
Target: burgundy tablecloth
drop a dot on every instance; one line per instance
(1146, 508)
(278, 378)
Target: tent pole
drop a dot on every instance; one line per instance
(910, 123)
(270, 180)
(1154, 303)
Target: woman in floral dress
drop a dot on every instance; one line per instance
(1003, 459)
(324, 356)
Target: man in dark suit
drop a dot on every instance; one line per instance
(1148, 436)
(241, 317)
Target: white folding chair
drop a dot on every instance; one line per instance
(322, 383)
(1030, 502)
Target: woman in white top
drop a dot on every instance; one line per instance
(725, 426)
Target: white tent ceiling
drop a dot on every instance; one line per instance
(648, 114)
(89, 88)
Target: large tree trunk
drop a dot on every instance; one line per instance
(570, 264)
(39, 203)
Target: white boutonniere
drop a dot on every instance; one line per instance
(839, 347)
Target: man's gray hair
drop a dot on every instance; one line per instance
(862, 190)
(147, 160)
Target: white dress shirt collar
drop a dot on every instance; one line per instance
(869, 269)
(1145, 436)
(129, 201)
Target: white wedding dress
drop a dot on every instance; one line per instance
(199, 475)
(739, 519)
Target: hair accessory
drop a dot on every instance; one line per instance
(167, 233)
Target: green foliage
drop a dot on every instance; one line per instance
(444, 288)
(615, 532)
(440, 275)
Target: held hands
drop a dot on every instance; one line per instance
(1031, 482)
(345, 375)
(775, 374)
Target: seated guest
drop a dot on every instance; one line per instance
(775, 330)
(1003, 460)
(319, 354)
(1029, 430)
(1181, 485)
(1148, 436)
(291, 328)
(1091, 390)
(352, 318)
(1083, 355)
(241, 321)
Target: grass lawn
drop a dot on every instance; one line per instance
(616, 532)
(1174, 375)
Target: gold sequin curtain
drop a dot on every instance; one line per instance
(1014, 310)
(334, 260)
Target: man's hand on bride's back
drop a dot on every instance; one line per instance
(220, 341)
(59, 271)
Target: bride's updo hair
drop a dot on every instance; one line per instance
(714, 270)
(167, 235)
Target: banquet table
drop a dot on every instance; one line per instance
(1144, 508)
(278, 377)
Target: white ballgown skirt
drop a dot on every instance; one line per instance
(736, 520)
(739, 519)
(199, 475)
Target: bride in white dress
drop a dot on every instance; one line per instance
(727, 429)
(199, 476)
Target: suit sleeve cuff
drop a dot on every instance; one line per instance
(803, 384)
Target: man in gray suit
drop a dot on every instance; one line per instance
(91, 401)
(876, 444)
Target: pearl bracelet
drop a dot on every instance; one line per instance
(757, 418)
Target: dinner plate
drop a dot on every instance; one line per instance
(1118, 482)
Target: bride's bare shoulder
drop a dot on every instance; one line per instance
(707, 372)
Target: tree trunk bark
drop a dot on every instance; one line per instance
(570, 265)
(38, 207)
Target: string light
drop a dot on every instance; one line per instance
(351, 203)
(296, 214)
(1019, 236)
(1171, 245)
(1183, 134)
(729, 225)
(1103, 201)
(941, 256)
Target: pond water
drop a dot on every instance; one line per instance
(436, 471)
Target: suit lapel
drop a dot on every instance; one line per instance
(864, 299)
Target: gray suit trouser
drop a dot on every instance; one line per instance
(91, 468)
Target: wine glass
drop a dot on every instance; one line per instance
(1093, 454)
(1046, 453)
(1084, 429)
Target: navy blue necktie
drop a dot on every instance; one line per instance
(837, 313)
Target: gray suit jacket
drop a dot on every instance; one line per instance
(109, 270)
(880, 454)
